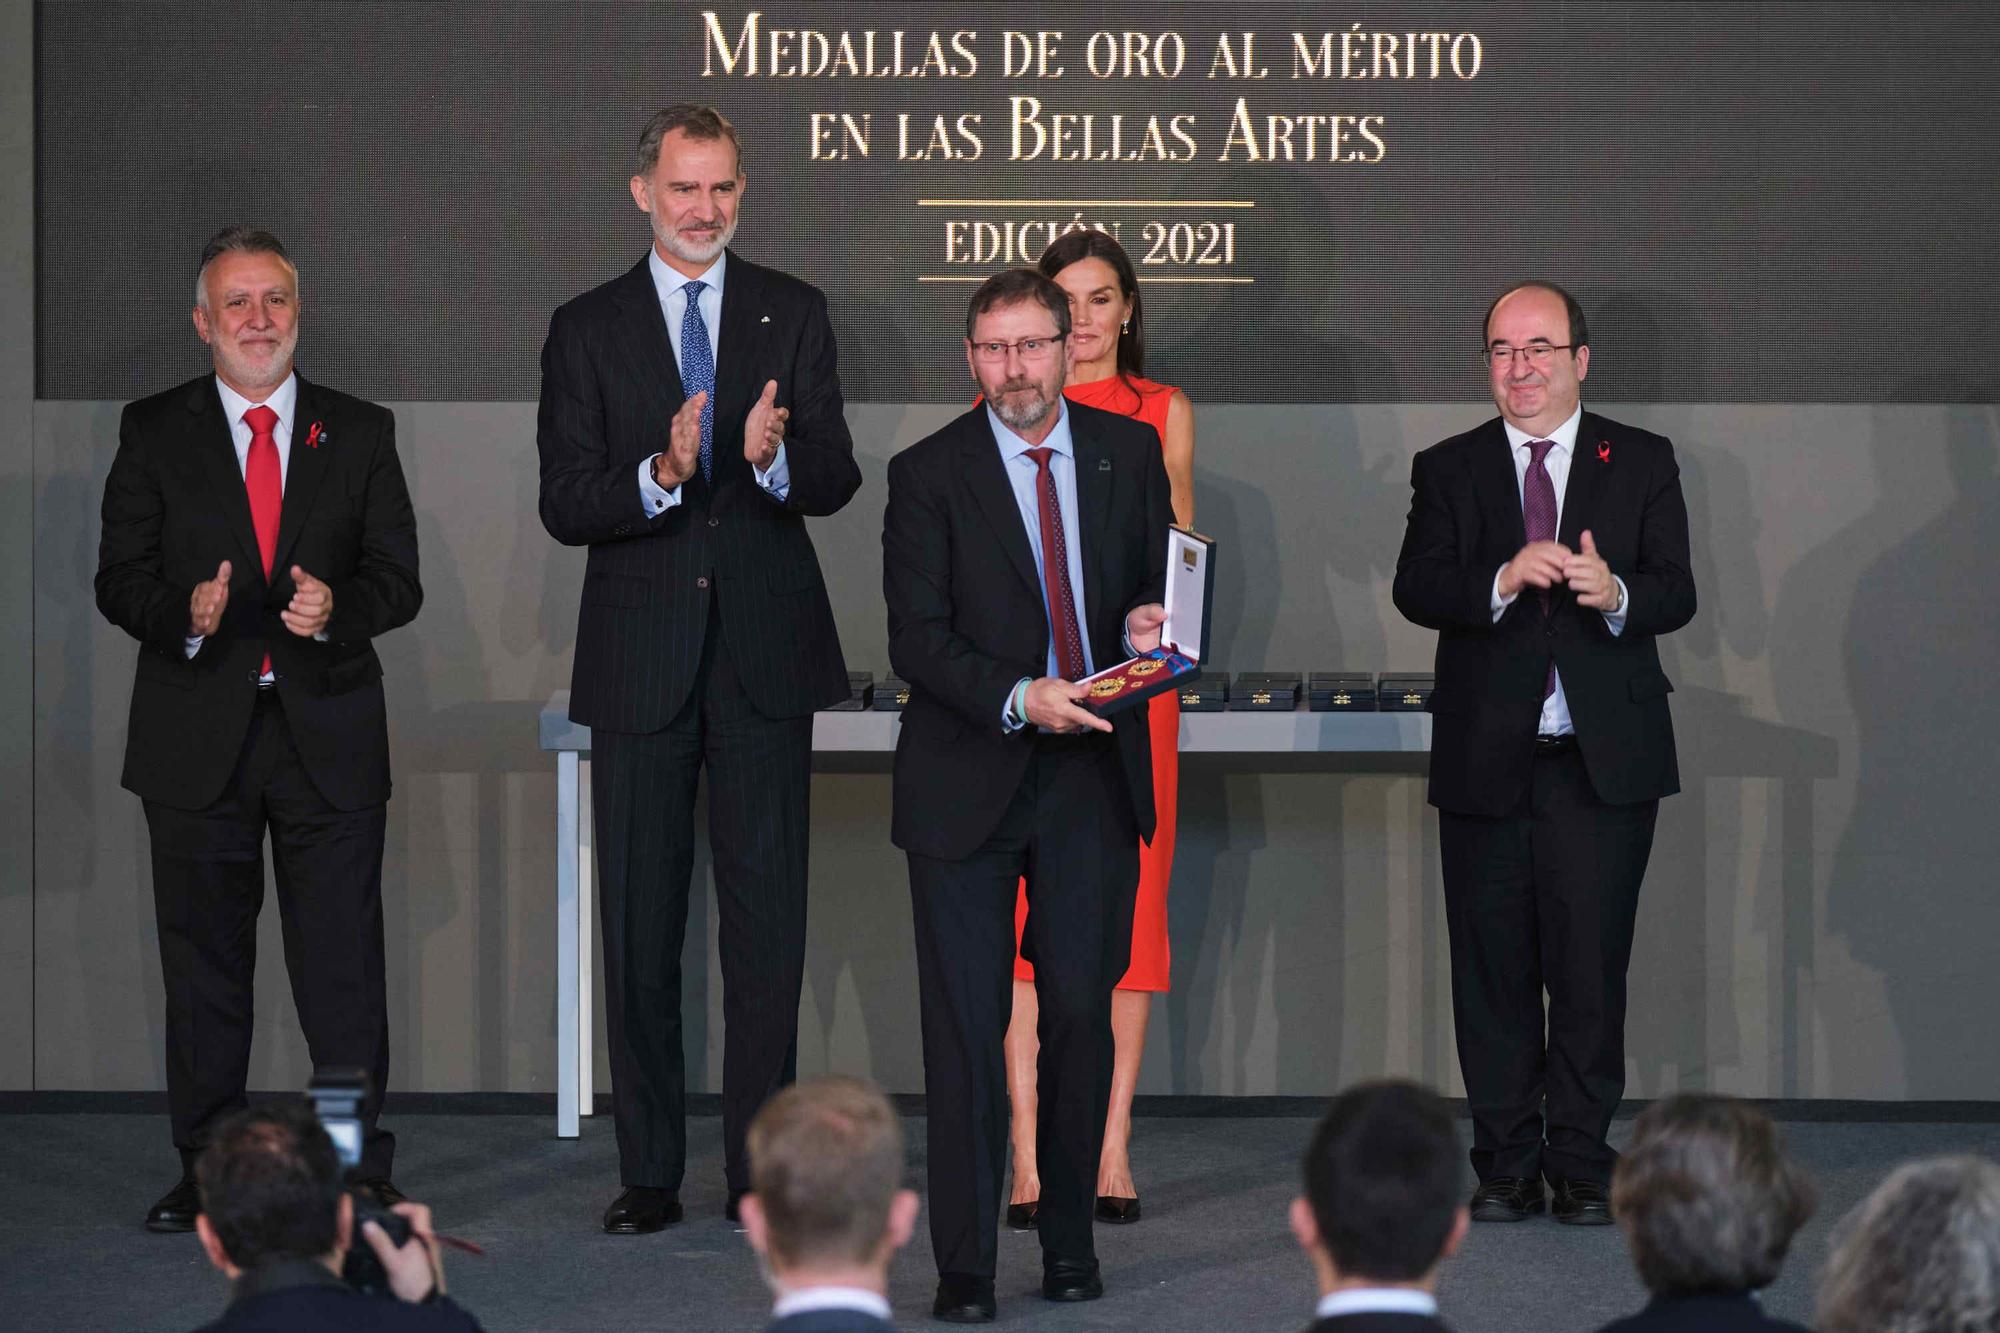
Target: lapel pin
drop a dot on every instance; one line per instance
(1604, 451)
(1103, 465)
(765, 320)
(315, 435)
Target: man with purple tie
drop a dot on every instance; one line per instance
(1548, 548)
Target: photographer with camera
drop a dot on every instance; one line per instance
(276, 1219)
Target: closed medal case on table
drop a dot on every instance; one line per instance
(890, 695)
(1405, 693)
(1264, 692)
(1341, 692)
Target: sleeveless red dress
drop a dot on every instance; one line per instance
(1151, 958)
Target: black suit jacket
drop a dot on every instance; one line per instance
(1465, 523)
(967, 617)
(610, 389)
(1702, 1313)
(292, 1299)
(174, 508)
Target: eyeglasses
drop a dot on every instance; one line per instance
(1538, 355)
(1031, 349)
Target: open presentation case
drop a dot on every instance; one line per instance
(1183, 638)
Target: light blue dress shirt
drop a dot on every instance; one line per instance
(672, 289)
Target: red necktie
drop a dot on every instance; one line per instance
(1538, 515)
(266, 484)
(1055, 572)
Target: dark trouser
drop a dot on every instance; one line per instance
(1544, 899)
(208, 887)
(642, 798)
(1069, 830)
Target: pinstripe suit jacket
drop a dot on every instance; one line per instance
(610, 389)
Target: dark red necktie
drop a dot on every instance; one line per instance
(265, 481)
(1538, 515)
(1055, 572)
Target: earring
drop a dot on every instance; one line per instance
(1125, 326)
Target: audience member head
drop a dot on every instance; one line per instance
(271, 1191)
(1920, 1254)
(826, 1206)
(1706, 1197)
(1384, 1203)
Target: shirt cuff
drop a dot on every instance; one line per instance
(656, 499)
(194, 642)
(1616, 623)
(777, 479)
(1014, 715)
(1497, 603)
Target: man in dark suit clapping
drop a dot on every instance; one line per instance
(257, 539)
(827, 1211)
(1381, 1208)
(690, 422)
(1024, 547)
(1549, 549)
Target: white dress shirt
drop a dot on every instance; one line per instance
(284, 400)
(1377, 1300)
(807, 1299)
(1555, 709)
(671, 287)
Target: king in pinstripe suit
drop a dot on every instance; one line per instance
(690, 421)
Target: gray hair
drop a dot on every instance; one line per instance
(698, 122)
(1706, 1197)
(1920, 1254)
(238, 238)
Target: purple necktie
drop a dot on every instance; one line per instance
(1538, 514)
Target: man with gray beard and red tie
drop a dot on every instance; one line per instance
(258, 537)
(1548, 548)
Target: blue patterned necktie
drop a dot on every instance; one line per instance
(698, 372)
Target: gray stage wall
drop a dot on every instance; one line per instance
(1817, 922)
(1820, 915)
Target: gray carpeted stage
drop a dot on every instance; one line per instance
(1212, 1253)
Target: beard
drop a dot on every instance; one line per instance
(257, 372)
(1022, 404)
(686, 248)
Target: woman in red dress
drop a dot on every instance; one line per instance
(1107, 350)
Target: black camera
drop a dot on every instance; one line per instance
(336, 1096)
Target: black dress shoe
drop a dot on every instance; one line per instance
(382, 1190)
(733, 1210)
(176, 1210)
(1114, 1208)
(1024, 1216)
(1582, 1203)
(641, 1209)
(962, 1299)
(1506, 1199)
(1071, 1280)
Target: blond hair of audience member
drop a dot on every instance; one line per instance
(1919, 1255)
(1706, 1197)
(827, 1208)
